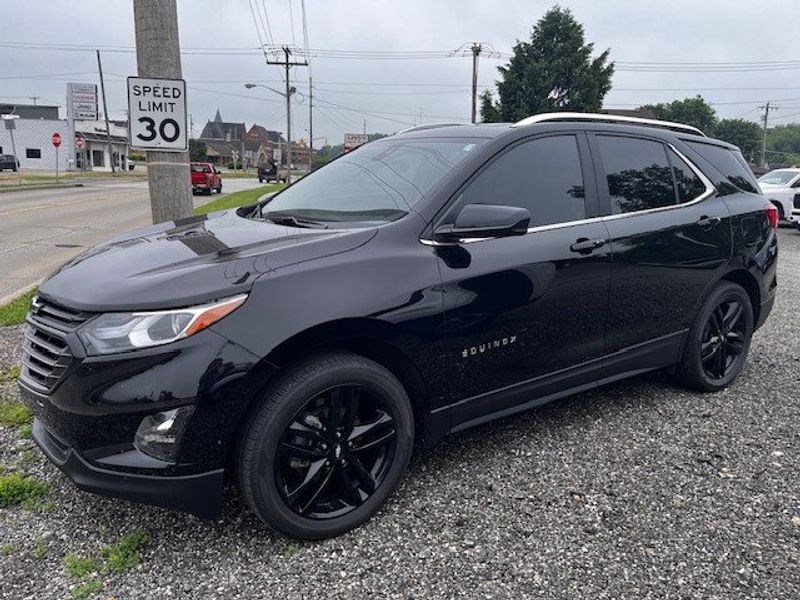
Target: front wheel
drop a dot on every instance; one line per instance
(327, 447)
(718, 341)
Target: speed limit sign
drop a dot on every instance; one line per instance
(157, 114)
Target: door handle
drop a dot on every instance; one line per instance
(586, 246)
(707, 222)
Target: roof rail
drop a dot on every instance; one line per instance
(573, 116)
(428, 126)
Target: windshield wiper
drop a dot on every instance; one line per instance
(293, 221)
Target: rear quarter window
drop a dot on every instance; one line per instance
(730, 163)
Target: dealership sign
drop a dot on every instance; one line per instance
(354, 140)
(157, 114)
(82, 102)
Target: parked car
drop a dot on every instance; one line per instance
(269, 171)
(9, 161)
(417, 286)
(205, 178)
(782, 188)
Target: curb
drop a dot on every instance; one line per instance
(27, 188)
(21, 291)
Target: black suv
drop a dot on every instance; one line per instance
(417, 286)
(9, 161)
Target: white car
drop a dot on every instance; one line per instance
(782, 188)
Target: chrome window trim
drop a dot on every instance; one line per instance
(709, 191)
(572, 116)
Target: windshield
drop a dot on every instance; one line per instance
(380, 181)
(778, 177)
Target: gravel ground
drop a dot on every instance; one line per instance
(637, 490)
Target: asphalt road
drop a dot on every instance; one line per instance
(41, 229)
(640, 489)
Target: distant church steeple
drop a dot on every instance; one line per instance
(218, 117)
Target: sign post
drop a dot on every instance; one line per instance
(79, 142)
(157, 114)
(56, 143)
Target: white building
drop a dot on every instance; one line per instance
(95, 149)
(33, 143)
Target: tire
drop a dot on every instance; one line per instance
(303, 480)
(219, 189)
(260, 180)
(716, 346)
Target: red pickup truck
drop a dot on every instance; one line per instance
(205, 178)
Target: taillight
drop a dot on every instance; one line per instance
(772, 215)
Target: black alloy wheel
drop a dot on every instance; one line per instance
(718, 341)
(723, 340)
(335, 452)
(327, 446)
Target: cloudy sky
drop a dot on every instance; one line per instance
(741, 54)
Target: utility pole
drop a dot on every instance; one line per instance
(767, 107)
(158, 55)
(476, 51)
(34, 98)
(105, 112)
(365, 125)
(289, 91)
(310, 124)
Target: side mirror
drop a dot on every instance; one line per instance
(485, 221)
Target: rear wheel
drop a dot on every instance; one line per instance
(718, 341)
(327, 447)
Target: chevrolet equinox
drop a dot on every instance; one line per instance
(419, 285)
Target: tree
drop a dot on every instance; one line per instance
(742, 133)
(197, 151)
(783, 144)
(690, 111)
(552, 72)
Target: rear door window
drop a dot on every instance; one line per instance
(638, 173)
(689, 185)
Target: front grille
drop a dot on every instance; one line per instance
(46, 355)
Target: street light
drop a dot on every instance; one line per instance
(291, 90)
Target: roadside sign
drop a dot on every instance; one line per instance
(79, 142)
(82, 102)
(56, 139)
(157, 114)
(354, 140)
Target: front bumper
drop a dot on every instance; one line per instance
(86, 425)
(199, 494)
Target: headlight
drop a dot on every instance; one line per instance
(118, 332)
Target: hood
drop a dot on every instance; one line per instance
(189, 261)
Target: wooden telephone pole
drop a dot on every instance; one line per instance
(158, 55)
(289, 91)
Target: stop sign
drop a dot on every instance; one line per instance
(56, 139)
(79, 142)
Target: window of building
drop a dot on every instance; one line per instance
(98, 157)
(543, 175)
(638, 173)
(33, 153)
